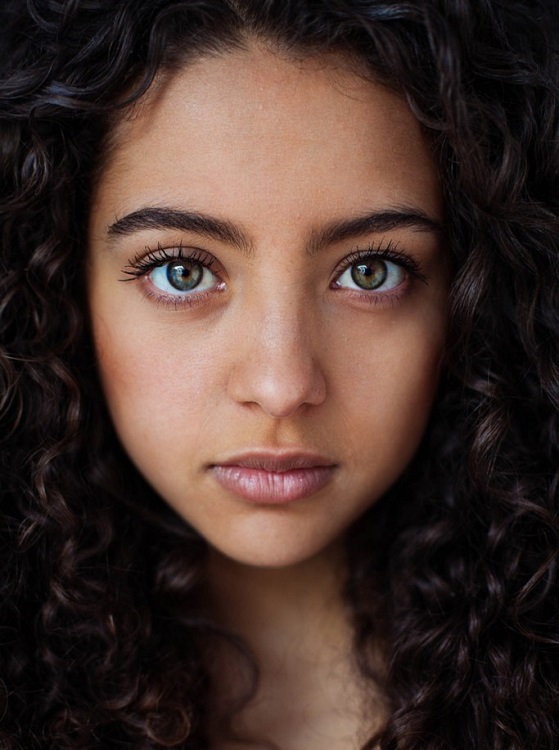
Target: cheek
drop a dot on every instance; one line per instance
(159, 383)
(389, 387)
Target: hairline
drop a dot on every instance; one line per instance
(337, 56)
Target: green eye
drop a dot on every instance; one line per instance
(184, 275)
(372, 274)
(369, 275)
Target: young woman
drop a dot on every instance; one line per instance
(279, 375)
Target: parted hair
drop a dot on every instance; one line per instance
(455, 570)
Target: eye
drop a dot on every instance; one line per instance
(372, 274)
(182, 275)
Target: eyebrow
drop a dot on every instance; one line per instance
(373, 223)
(184, 221)
(225, 231)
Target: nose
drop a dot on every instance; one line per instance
(277, 363)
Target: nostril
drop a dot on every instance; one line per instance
(279, 385)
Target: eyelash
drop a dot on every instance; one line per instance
(389, 252)
(142, 265)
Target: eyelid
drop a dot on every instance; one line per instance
(142, 265)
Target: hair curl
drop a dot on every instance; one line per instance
(456, 568)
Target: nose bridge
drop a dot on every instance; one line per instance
(283, 325)
(278, 365)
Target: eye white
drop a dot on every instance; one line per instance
(372, 275)
(182, 277)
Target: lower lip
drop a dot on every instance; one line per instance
(272, 487)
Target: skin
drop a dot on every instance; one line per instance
(282, 353)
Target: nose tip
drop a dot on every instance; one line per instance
(278, 378)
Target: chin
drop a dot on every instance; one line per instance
(271, 555)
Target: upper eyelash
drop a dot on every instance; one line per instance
(141, 265)
(389, 252)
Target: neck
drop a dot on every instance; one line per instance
(297, 627)
(267, 606)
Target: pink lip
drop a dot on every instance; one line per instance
(274, 478)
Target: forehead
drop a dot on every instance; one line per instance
(255, 123)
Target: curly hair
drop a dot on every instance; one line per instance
(456, 568)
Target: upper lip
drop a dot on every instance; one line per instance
(276, 460)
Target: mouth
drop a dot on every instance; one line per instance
(268, 478)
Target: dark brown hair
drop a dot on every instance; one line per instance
(456, 569)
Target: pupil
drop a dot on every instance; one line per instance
(369, 275)
(184, 276)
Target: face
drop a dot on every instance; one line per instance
(267, 289)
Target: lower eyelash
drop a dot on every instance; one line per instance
(166, 301)
(175, 301)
